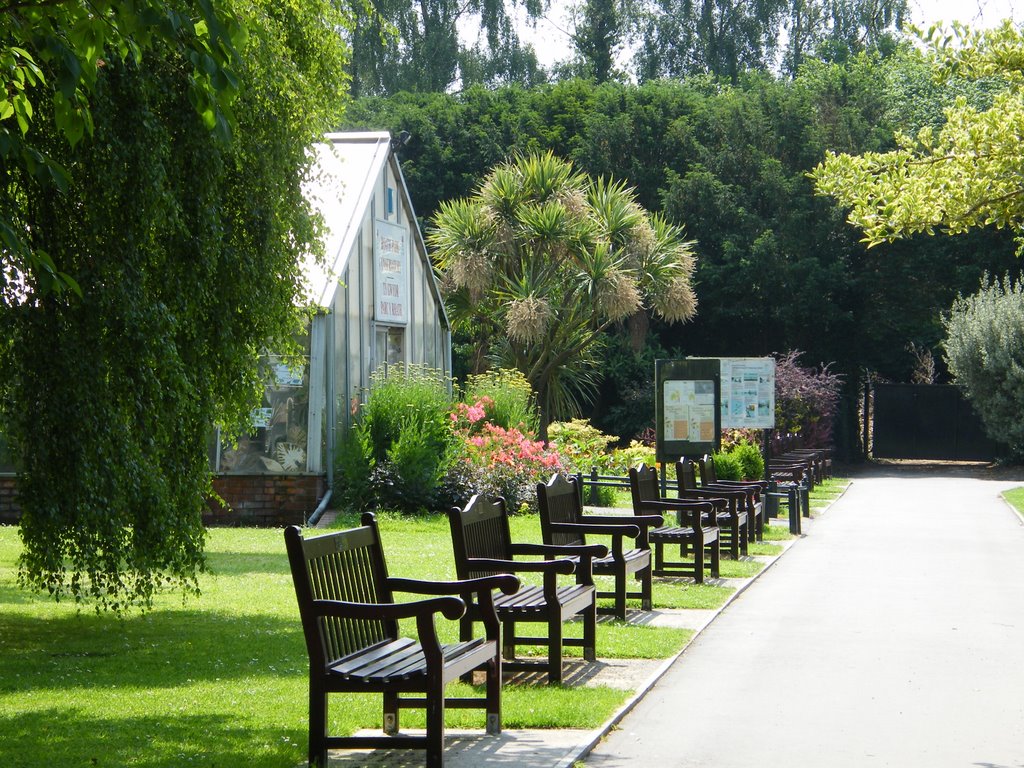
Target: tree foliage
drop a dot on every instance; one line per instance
(541, 260)
(835, 30)
(962, 175)
(415, 45)
(187, 250)
(777, 265)
(984, 349)
(51, 59)
(719, 37)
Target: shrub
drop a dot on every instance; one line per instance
(728, 466)
(401, 444)
(503, 462)
(984, 349)
(581, 445)
(805, 400)
(749, 457)
(633, 454)
(510, 399)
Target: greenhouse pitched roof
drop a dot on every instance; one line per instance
(346, 168)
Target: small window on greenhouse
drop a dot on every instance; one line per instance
(390, 345)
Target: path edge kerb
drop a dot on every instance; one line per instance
(582, 750)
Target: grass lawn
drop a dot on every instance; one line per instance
(220, 681)
(827, 491)
(1015, 497)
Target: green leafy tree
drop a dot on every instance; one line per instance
(599, 29)
(984, 349)
(414, 45)
(542, 260)
(52, 56)
(718, 37)
(834, 30)
(962, 175)
(187, 249)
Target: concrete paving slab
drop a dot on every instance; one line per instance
(471, 749)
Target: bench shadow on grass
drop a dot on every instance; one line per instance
(52, 737)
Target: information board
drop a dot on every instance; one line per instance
(748, 392)
(687, 407)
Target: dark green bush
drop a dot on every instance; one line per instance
(985, 353)
(750, 460)
(401, 444)
(728, 466)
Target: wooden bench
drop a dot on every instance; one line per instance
(483, 545)
(733, 516)
(691, 533)
(747, 496)
(350, 621)
(563, 523)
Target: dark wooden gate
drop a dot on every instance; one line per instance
(926, 421)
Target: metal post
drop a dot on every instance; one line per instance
(794, 510)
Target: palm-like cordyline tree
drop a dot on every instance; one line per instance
(541, 260)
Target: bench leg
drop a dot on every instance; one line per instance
(716, 553)
(555, 649)
(494, 695)
(317, 727)
(698, 559)
(645, 577)
(391, 713)
(508, 639)
(620, 595)
(435, 725)
(590, 632)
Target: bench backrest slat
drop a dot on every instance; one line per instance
(643, 485)
(346, 566)
(560, 501)
(480, 530)
(686, 475)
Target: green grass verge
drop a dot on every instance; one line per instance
(221, 680)
(1015, 497)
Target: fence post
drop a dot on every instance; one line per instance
(593, 486)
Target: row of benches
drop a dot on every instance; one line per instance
(350, 617)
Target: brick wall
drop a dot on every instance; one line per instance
(265, 500)
(262, 500)
(9, 511)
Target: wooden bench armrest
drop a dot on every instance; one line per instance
(620, 528)
(561, 550)
(561, 565)
(449, 607)
(712, 492)
(648, 521)
(506, 582)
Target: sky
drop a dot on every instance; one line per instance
(551, 43)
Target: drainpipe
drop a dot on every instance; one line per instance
(322, 507)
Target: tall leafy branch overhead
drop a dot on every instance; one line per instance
(187, 248)
(967, 173)
(50, 59)
(542, 260)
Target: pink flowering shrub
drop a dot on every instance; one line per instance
(496, 461)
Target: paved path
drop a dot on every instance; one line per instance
(892, 636)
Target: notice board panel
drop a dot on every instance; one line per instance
(687, 408)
